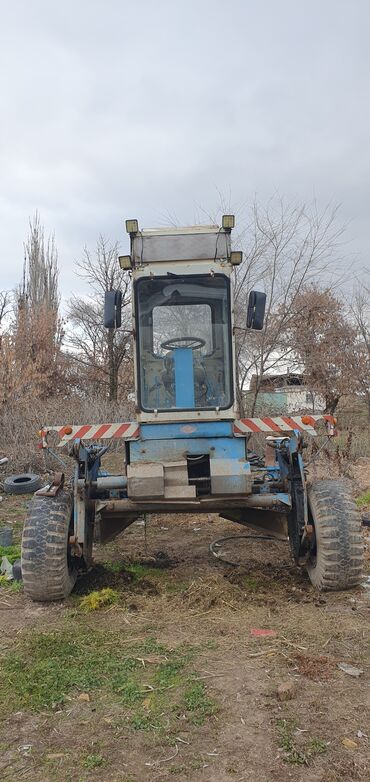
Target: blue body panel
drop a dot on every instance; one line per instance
(176, 449)
(184, 378)
(186, 430)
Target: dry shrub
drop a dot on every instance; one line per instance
(21, 421)
(318, 668)
(207, 593)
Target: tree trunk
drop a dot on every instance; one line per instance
(239, 395)
(331, 404)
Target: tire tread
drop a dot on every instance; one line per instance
(338, 529)
(45, 571)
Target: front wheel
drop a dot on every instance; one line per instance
(336, 556)
(49, 571)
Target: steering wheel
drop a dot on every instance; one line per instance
(178, 342)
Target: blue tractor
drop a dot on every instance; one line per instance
(187, 450)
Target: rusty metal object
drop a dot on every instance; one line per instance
(270, 454)
(52, 489)
(76, 549)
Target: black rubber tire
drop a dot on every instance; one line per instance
(25, 483)
(48, 573)
(336, 563)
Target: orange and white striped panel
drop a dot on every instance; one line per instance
(280, 424)
(124, 431)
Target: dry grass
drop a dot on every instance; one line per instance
(183, 634)
(20, 423)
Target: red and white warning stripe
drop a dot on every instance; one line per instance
(131, 430)
(125, 431)
(278, 424)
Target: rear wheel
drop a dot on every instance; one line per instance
(48, 569)
(336, 556)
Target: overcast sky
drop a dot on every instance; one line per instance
(113, 109)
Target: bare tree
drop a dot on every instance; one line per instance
(325, 343)
(40, 271)
(285, 248)
(38, 332)
(360, 310)
(104, 351)
(5, 347)
(5, 309)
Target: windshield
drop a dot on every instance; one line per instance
(184, 342)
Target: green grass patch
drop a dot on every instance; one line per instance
(168, 674)
(211, 644)
(11, 552)
(250, 583)
(297, 754)
(140, 571)
(293, 754)
(93, 761)
(137, 570)
(113, 567)
(150, 682)
(363, 499)
(176, 587)
(11, 584)
(316, 747)
(99, 599)
(198, 704)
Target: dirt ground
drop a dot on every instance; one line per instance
(185, 627)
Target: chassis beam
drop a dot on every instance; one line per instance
(198, 505)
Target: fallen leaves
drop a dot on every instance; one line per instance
(84, 696)
(318, 668)
(348, 743)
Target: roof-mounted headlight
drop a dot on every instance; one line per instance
(132, 226)
(236, 257)
(228, 222)
(125, 262)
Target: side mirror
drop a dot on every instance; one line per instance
(256, 310)
(112, 309)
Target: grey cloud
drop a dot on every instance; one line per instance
(114, 109)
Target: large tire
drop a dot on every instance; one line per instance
(335, 562)
(49, 573)
(25, 483)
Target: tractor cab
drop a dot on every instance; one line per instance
(183, 321)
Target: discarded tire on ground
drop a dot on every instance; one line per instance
(48, 569)
(336, 557)
(25, 483)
